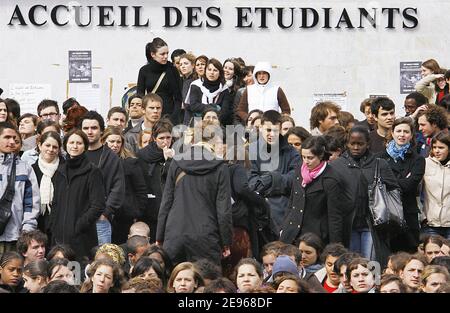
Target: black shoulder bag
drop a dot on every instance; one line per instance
(7, 198)
(385, 206)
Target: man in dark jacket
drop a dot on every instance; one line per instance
(195, 219)
(273, 162)
(92, 125)
(152, 105)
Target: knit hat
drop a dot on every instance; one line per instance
(283, 263)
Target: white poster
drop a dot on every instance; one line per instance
(87, 95)
(29, 95)
(338, 98)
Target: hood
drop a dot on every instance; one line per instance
(262, 67)
(198, 160)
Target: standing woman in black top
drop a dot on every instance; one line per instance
(160, 76)
(135, 202)
(408, 167)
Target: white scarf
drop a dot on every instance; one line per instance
(207, 96)
(46, 187)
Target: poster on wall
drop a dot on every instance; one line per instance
(89, 95)
(409, 76)
(80, 67)
(29, 95)
(338, 98)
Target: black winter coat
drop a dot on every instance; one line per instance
(169, 89)
(409, 173)
(154, 168)
(272, 179)
(78, 202)
(135, 202)
(355, 176)
(114, 181)
(250, 210)
(135, 190)
(195, 219)
(317, 208)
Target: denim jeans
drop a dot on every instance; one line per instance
(442, 231)
(362, 243)
(103, 232)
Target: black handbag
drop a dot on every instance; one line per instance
(386, 208)
(7, 198)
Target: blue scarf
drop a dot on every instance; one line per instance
(397, 152)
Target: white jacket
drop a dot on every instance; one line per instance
(436, 189)
(263, 97)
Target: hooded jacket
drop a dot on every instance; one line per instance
(262, 97)
(436, 189)
(25, 207)
(195, 219)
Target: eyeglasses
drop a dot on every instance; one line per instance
(49, 114)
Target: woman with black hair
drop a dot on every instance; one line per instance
(315, 204)
(356, 170)
(210, 91)
(161, 77)
(311, 247)
(147, 267)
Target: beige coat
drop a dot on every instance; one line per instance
(436, 189)
(427, 87)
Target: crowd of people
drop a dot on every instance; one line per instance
(205, 183)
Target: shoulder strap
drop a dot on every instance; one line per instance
(377, 168)
(180, 176)
(159, 82)
(12, 175)
(10, 188)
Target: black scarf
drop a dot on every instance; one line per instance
(157, 67)
(446, 160)
(74, 163)
(151, 153)
(211, 85)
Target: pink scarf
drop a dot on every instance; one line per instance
(309, 175)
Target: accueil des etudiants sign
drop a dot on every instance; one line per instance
(245, 17)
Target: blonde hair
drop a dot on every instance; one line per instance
(434, 269)
(182, 267)
(124, 153)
